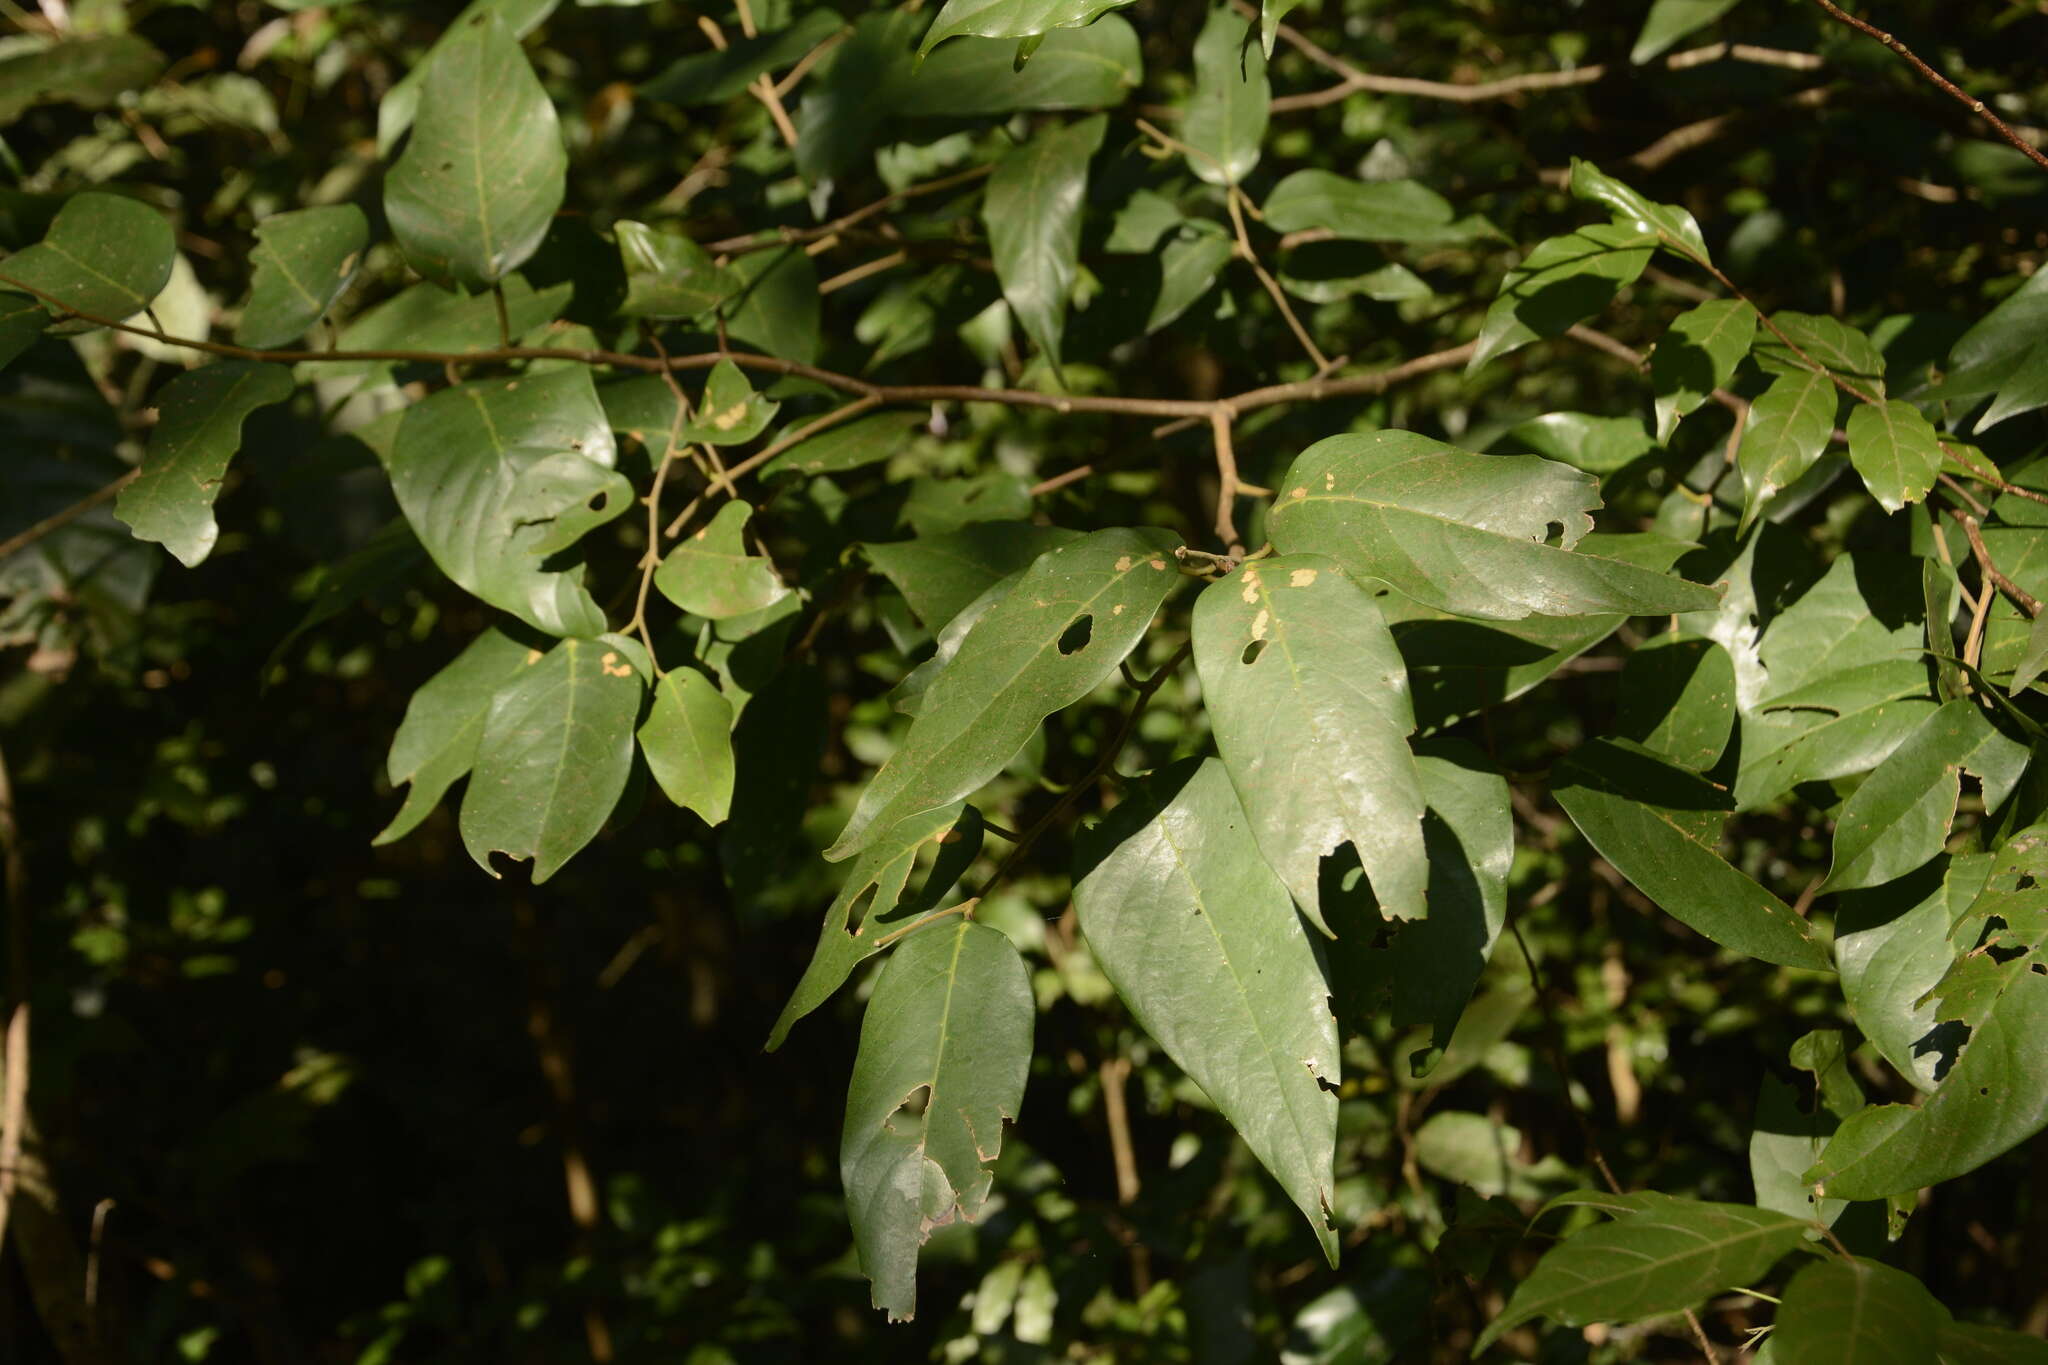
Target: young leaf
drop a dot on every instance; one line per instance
(944, 1049)
(302, 263)
(1697, 354)
(1787, 429)
(436, 742)
(852, 445)
(940, 575)
(1365, 211)
(711, 574)
(1785, 1142)
(1562, 281)
(1675, 227)
(1678, 700)
(1010, 18)
(1670, 20)
(1658, 824)
(1892, 947)
(1309, 701)
(687, 739)
(1895, 450)
(104, 255)
(481, 179)
(1660, 1260)
(1095, 67)
(556, 748)
(1461, 532)
(1857, 1312)
(1055, 638)
(668, 276)
(1202, 942)
(1033, 212)
(1226, 118)
(199, 428)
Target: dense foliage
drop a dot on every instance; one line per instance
(1340, 682)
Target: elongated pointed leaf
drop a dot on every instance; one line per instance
(1787, 429)
(1697, 354)
(1463, 533)
(1562, 281)
(198, 430)
(2008, 348)
(853, 445)
(494, 475)
(1895, 450)
(1271, 13)
(485, 170)
(1366, 211)
(1857, 1312)
(1900, 817)
(1844, 724)
(1670, 20)
(775, 304)
(943, 1054)
(1675, 227)
(1598, 445)
(687, 738)
(1226, 119)
(1892, 947)
(556, 748)
(401, 103)
(436, 742)
(104, 255)
(711, 573)
(725, 73)
(940, 575)
(668, 276)
(1010, 18)
(1665, 1258)
(1202, 942)
(1054, 639)
(1309, 700)
(1678, 700)
(302, 263)
(1033, 212)
(91, 73)
(1658, 824)
(1095, 67)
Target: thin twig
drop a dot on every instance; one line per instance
(861, 272)
(1272, 286)
(758, 241)
(2026, 601)
(1226, 483)
(58, 520)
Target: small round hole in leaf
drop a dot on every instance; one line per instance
(1075, 638)
(1252, 652)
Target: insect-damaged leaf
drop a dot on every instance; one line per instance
(556, 747)
(1891, 948)
(1464, 533)
(2003, 936)
(1857, 1312)
(731, 413)
(1203, 943)
(711, 573)
(687, 740)
(436, 742)
(1052, 640)
(199, 428)
(1309, 700)
(1033, 212)
(1226, 119)
(302, 263)
(944, 1049)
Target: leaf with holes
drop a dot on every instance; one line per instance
(1786, 431)
(1226, 117)
(1203, 943)
(1891, 949)
(1857, 1312)
(105, 255)
(302, 263)
(1675, 227)
(1895, 450)
(1033, 213)
(1561, 282)
(199, 428)
(1697, 354)
(1309, 701)
(944, 1049)
(2003, 936)
(436, 742)
(711, 573)
(1056, 637)
(687, 740)
(1461, 532)
(1010, 18)
(668, 276)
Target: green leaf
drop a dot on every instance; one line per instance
(940, 575)
(848, 98)
(1309, 702)
(1366, 211)
(401, 102)
(199, 428)
(711, 574)
(1484, 1155)
(1189, 262)
(725, 73)
(1968, 1344)
(1787, 430)
(1674, 226)
(1054, 639)
(1785, 1142)
(302, 263)
(687, 739)
(1226, 117)
(668, 276)
(2006, 355)
(436, 742)
(1829, 346)
(1598, 445)
(1095, 67)
(104, 255)
(775, 304)
(91, 73)
(1461, 532)
(1697, 354)
(1326, 272)
(1202, 942)
(2004, 934)
(1670, 20)
(944, 1049)
(871, 910)
(1900, 817)
(1369, 1323)
(1562, 281)
(556, 748)
(485, 170)
(1895, 450)
(22, 323)
(1033, 212)
(1857, 1312)
(852, 445)
(1678, 700)
(1657, 824)
(427, 317)
(1843, 725)
(1010, 18)
(2034, 660)
(1271, 13)
(1892, 947)
(729, 413)
(493, 475)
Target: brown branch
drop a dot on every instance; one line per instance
(1226, 483)
(1939, 81)
(757, 241)
(1272, 286)
(57, 520)
(2026, 601)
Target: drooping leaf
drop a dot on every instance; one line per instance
(481, 179)
(711, 573)
(1657, 824)
(940, 575)
(1895, 450)
(1461, 532)
(852, 445)
(1033, 212)
(1857, 1312)
(91, 73)
(2005, 355)
(1788, 427)
(1697, 354)
(199, 429)
(1598, 445)
(1674, 226)
(725, 73)
(1562, 281)
(1202, 942)
(687, 740)
(1057, 636)
(1824, 344)
(1095, 67)
(2004, 933)
(1366, 210)
(556, 748)
(944, 1048)
(1189, 262)
(1309, 701)
(1892, 947)
(1226, 118)
(22, 322)
(1010, 18)
(496, 474)
(668, 276)
(774, 304)
(436, 742)
(1785, 1142)
(1670, 20)
(105, 255)
(1271, 13)
(1665, 1258)
(1678, 700)
(302, 263)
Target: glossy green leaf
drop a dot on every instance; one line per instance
(668, 276)
(1968, 1344)
(729, 412)
(1678, 700)
(944, 1049)
(1366, 210)
(556, 748)
(1787, 429)
(1095, 67)
(105, 255)
(712, 574)
(1598, 445)
(302, 263)
(725, 73)
(1697, 354)
(2034, 659)
(774, 304)
(495, 475)
(1010, 18)
(199, 429)
(1033, 212)
(1857, 1312)
(1824, 344)
(1055, 638)
(1786, 1140)
(2004, 934)
(1203, 944)
(1309, 702)
(1327, 271)
(687, 740)
(396, 111)
(1846, 724)
(1895, 450)
(1892, 947)
(1461, 532)
(1670, 20)
(1674, 226)
(1562, 281)
(1658, 824)
(1663, 1259)
(91, 73)
(2006, 355)
(871, 910)
(427, 317)
(851, 445)
(483, 174)
(940, 575)
(1226, 118)
(437, 741)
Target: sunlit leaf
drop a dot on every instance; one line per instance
(711, 573)
(302, 263)
(687, 740)
(436, 742)
(199, 429)
(1226, 118)
(1562, 281)
(1033, 212)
